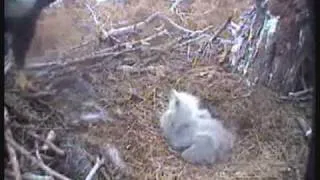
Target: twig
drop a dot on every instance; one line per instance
(93, 14)
(175, 4)
(38, 156)
(134, 43)
(131, 69)
(104, 171)
(40, 94)
(89, 59)
(290, 98)
(9, 57)
(97, 22)
(18, 108)
(305, 128)
(30, 176)
(300, 93)
(13, 159)
(50, 137)
(196, 36)
(7, 66)
(6, 116)
(40, 164)
(139, 26)
(49, 143)
(302, 79)
(114, 156)
(193, 39)
(175, 25)
(11, 151)
(99, 163)
(217, 33)
(98, 55)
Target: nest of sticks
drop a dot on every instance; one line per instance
(130, 71)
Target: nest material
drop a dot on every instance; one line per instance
(131, 81)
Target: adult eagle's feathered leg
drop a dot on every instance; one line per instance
(21, 17)
(20, 45)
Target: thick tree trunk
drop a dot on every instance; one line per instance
(284, 60)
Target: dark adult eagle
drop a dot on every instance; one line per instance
(20, 23)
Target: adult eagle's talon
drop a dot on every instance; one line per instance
(23, 83)
(21, 80)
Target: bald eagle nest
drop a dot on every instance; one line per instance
(95, 113)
